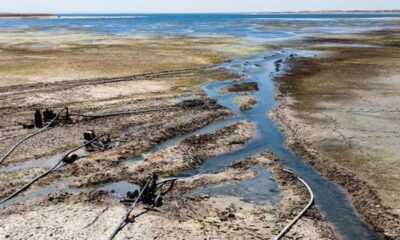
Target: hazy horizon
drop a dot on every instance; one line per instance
(182, 6)
(271, 12)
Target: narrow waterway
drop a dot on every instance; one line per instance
(331, 199)
(262, 189)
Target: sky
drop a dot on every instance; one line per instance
(187, 6)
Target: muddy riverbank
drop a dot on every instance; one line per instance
(229, 216)
(201, 104)
(93, 214)
(338, 113)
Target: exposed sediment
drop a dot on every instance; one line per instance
(195, 216)
(241, 87)
(325, 113)
(245, 101)
(185, 155)
(89, 212)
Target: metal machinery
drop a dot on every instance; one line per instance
(99, 144)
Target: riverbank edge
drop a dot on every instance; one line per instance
(26, 15)
(364, 197)
(291, 186)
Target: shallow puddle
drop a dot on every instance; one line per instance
(44, 162)
(120, 189)
(261, 189)
(43, 191)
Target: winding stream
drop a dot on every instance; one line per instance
(255, 29)
(330, 198)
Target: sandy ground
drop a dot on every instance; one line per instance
(98, 74)
(159, 87)
(245, 101)
(93, 215)
(95, 99)
(30, 57)
(341, 113)
(194, 150)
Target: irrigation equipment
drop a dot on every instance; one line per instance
(285, 230)
(45, 128)
(151, 193)
(67, 158)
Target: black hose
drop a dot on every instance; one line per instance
(284, 231)
(124, 113)
(45, 128)
(130, 209)
(58, 165)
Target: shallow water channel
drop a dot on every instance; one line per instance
(261, 189)
(334, 203)
(331, 199)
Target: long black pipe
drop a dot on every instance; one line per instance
(45, 128)
(58, 165)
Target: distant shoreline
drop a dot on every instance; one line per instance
(348, 12)
(25, 15)
(366, 12)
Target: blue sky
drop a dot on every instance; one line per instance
(148, 6)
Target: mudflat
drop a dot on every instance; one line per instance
(192, 106)
(94, 74)
(340, 111)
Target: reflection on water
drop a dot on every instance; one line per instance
(259, 27)
(119, 189)
(333, 201)
(44, 162)
(260, 189)
(256, 29)
(43, 191)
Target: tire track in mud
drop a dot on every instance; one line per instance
(61, 85)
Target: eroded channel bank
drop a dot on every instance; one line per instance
(261, 69)
(331, 200)
(340, 114)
